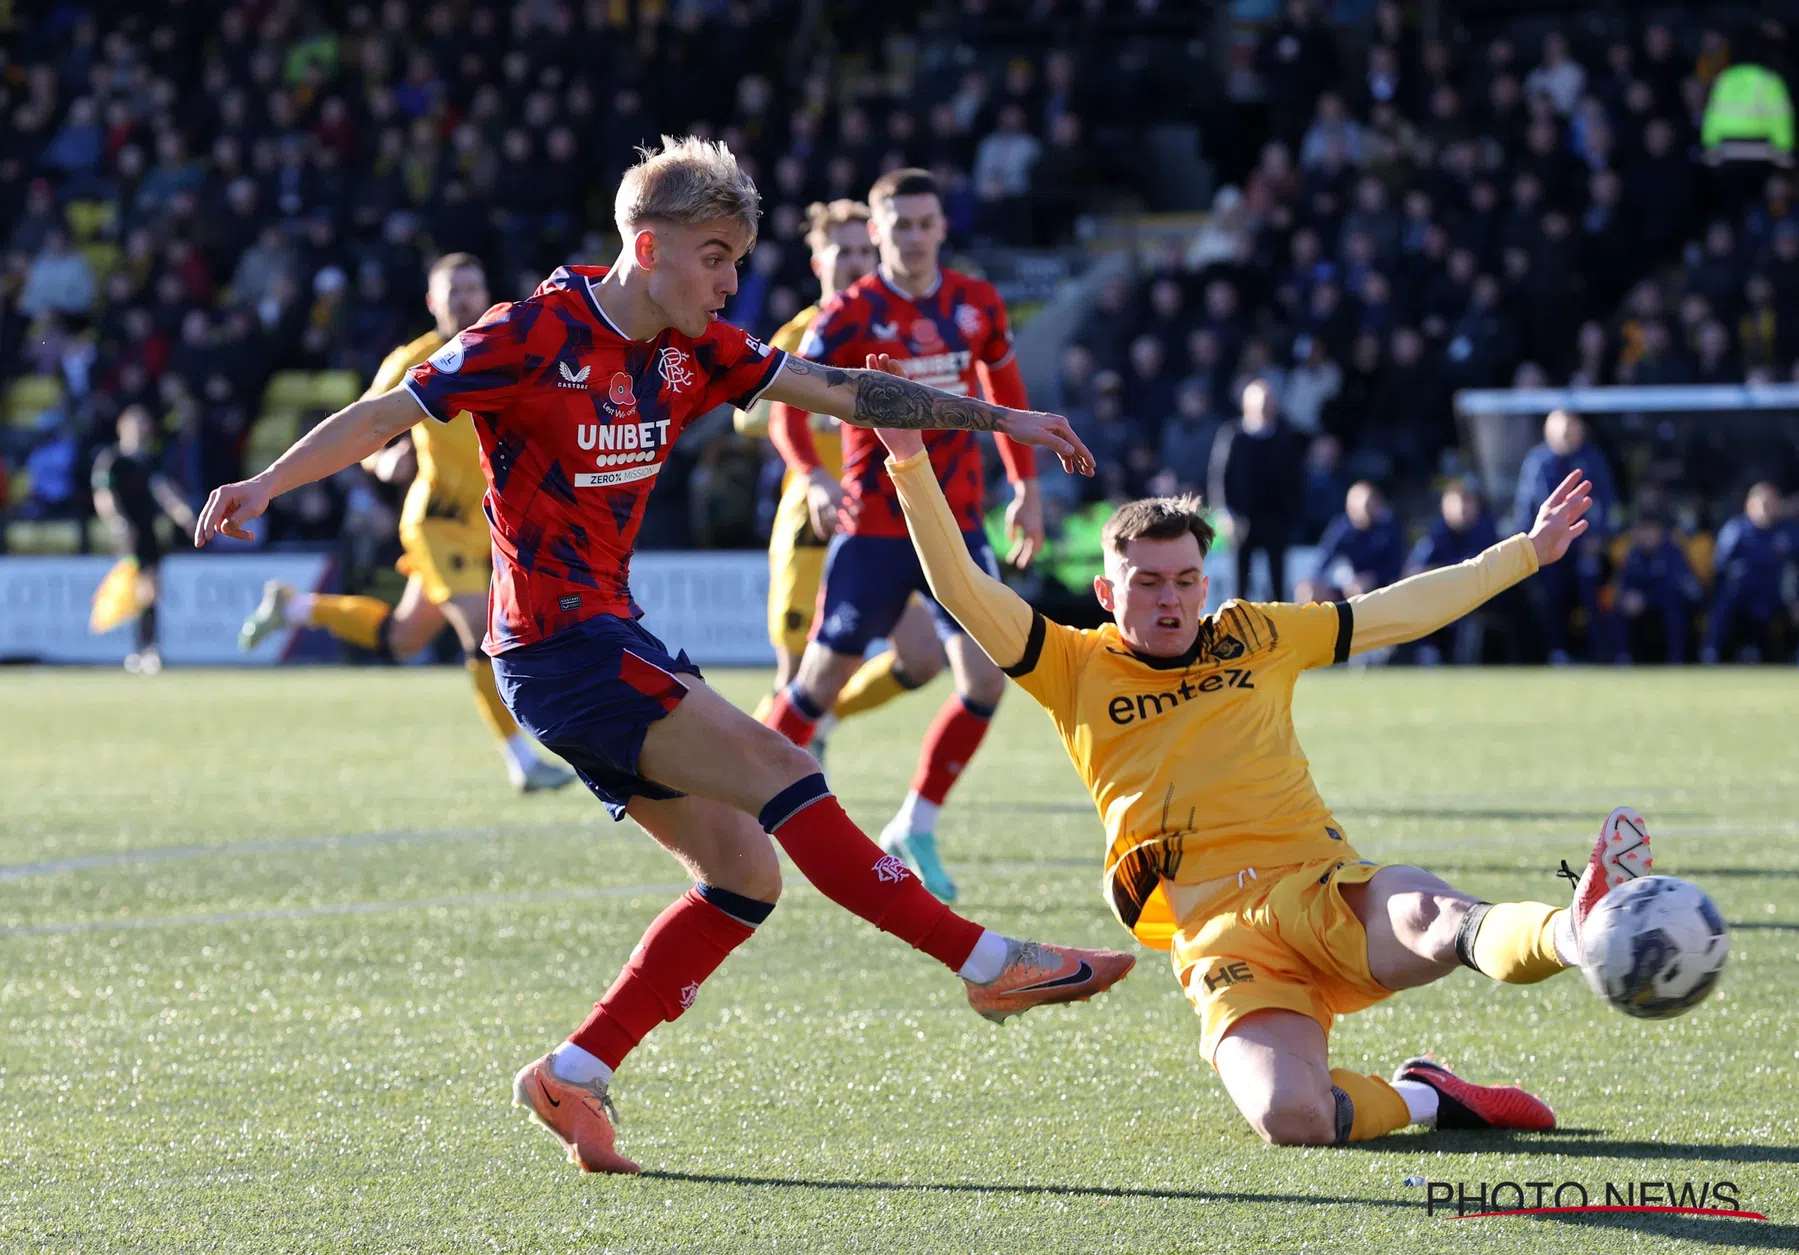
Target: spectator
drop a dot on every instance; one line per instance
(1559, 78)
(1657, 594)
(1226, 230)
(1332, 133)
(1123, 459)
(1187, 439)
(1295, 61)
(1311, 385)
(1149, 393)
(1362, 549)
(1461, 530)
(1565, 450)
(1325, 485)
(1749, 567)
(59, 280)
(1061, 180)
(1002, 173)
(1256, 477)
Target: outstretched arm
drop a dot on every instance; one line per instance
(872, 398)
(342, 440)
(1418, 606)
(998, 618)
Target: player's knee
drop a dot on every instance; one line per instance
(919, 667)
(779, 760)
(1295, 1117)
(1426, 923)
(758, 879)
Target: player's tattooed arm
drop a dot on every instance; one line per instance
(874, 398)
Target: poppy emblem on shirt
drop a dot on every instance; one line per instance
(969, 321)
(620, 392)
(671, 364)
(925, 336)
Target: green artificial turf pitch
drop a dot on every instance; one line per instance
(273, 943)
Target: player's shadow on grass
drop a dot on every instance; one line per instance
(1742, 1234)
(1075, 1191)
(1576, 1142)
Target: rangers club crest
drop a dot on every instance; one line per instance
(671, 364)
(889, 870)
(969, 321)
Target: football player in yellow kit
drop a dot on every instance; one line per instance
(842, 252)
(443, 532)
(1221, 850)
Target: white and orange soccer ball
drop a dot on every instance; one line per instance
(1654, 947)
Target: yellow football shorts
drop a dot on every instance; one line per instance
(1285, 940)
(796, 567)
(447, 548)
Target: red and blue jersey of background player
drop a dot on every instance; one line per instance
(947, 338)
(575, 421)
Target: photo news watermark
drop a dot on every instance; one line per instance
(1471, 1200)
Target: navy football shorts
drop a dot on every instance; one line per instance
(866, 584)
(590, 694)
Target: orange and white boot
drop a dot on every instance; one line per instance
(580, 1115)
(1036, 975)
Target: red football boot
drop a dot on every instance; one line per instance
(1465, 1105)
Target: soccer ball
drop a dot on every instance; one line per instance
(1653, 947)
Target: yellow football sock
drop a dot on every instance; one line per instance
(1511, 941)
(354, 619)
(494, 714)
(1379, 1109)
(760, 714)
(876, 682)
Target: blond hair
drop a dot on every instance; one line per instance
(822, 218)
(1158, 518)
(690, 181)
(453, 261)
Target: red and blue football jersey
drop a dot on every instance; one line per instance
(575, 422)
(936, 339)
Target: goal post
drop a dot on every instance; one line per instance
(1501, 425)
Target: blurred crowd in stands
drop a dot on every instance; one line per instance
(197, 196)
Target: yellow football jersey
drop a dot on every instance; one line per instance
(449, 454)
(754, 421)
(1193, 762)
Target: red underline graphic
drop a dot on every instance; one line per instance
(1557, 1211)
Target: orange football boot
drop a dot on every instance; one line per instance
(1036, 975)
(581, 1116)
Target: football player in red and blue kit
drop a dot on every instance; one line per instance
(949, 331)
(577, 392)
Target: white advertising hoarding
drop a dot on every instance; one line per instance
(710, 604)
(45, 602)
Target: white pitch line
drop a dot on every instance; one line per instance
(274, 845)
(338, 908)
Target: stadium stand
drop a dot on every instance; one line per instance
(225, 211)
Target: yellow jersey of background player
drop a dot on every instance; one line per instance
(443, 533)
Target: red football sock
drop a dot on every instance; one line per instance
(793, 716)
(684, 946)
(854, 872)
(954, 737)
